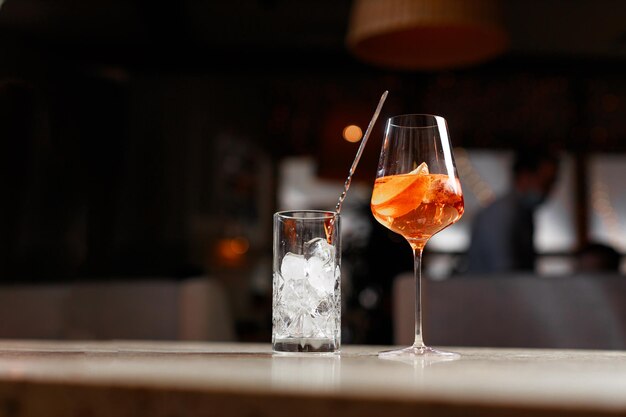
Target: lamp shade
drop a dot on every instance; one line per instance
(425, 34)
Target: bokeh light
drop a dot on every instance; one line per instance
(352, 133)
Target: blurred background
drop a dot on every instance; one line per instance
(146, 145)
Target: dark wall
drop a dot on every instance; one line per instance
(120, 173)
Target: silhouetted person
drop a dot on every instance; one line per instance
(503, 232)
(596, 257)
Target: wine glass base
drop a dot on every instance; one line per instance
(419, 352)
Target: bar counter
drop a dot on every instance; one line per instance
(122, 378)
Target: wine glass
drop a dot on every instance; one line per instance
(417, 193)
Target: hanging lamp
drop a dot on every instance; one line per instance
(425, 34)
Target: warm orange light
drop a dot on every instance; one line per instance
(232, 250)
(239, 245)
(352, 133)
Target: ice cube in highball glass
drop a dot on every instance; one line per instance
(319, 248)
(293, 267)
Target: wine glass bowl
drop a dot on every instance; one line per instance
(417, 193)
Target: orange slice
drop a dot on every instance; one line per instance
(386, 188)
(396, 195)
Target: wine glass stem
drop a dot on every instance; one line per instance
(417, 258)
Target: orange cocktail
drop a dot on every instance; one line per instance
(418, 204)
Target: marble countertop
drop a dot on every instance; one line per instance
(120, 378)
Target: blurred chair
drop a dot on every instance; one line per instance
(144, 309)
(33, 311)
(154, 309)
(204, 311)
(585, 312)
